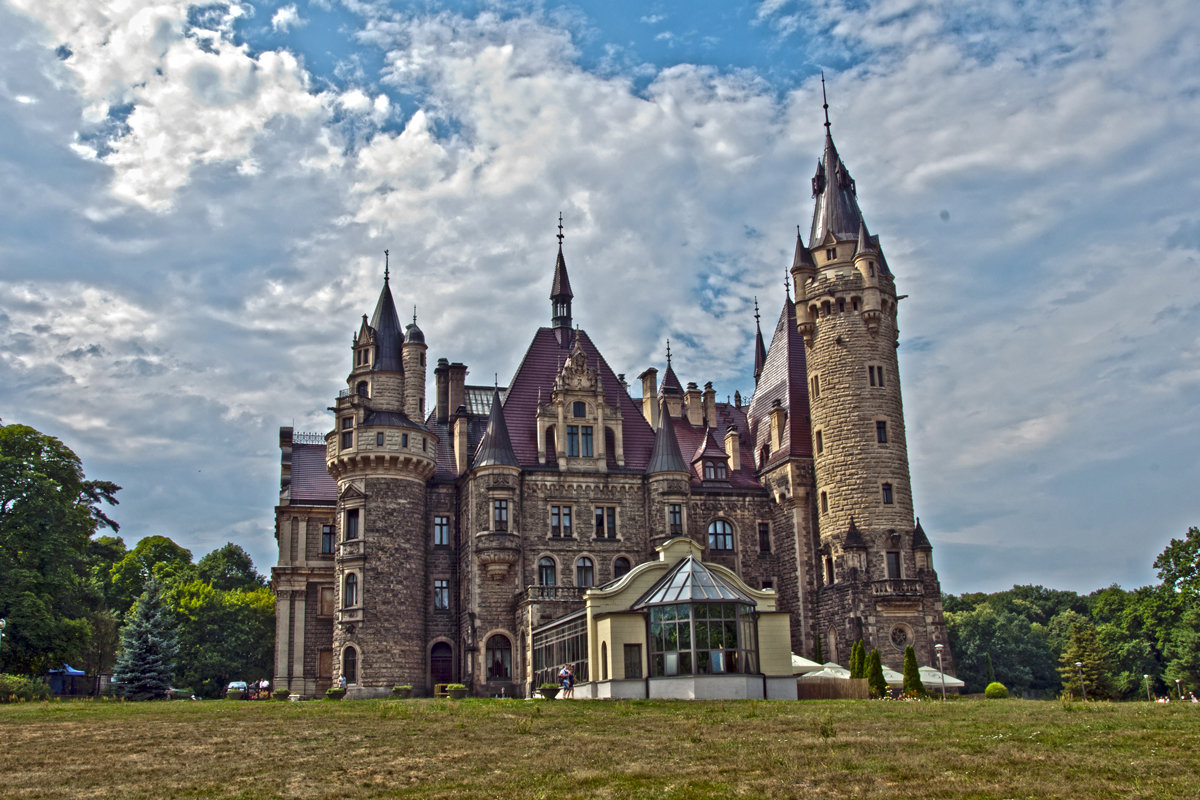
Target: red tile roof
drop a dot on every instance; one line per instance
(784, 378)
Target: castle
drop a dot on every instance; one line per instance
(458, 543)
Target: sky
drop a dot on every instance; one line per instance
(196, 199)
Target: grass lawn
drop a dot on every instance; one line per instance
(605, 749)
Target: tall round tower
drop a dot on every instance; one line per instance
(878, 583)
(381, 459)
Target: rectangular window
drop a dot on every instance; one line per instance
(633, 661)
(441, 595)
(768, 584)
(500, 515)
(327, 540)
(579, 409)
(347, 422)
(606, 522)
(830, 253)
(820, 443)
(441, 531)
(404, 440)
(714, 470)
(893, 565)
(325, 601)
(379, 439)
(573, 440)
(347, 440)
(585, 435)
(881, 432)
(824, 503)
(887, 494)
(675, 518)
(764, 537)
(815, 381)
(351, 524)
(560, 522)
(875, 375)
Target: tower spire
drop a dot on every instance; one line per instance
(760, 350)
(385, 268)
(825, 103)
(560, 292)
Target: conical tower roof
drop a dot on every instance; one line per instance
(854, 539)
(920, 540)
(388, 336)
(495, 448)
(802, 260)
(666, 456)
(837, 211)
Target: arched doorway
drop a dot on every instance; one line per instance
(441, 663)
(498, 658)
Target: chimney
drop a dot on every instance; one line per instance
(778, 424)
(458, 385)
(733, 445)
(692, 406)
(710, 405)
(441, 376)
(649, 380)
(460, 438)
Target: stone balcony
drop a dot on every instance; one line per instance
(555, 593)
(497, 552)
(897, 587)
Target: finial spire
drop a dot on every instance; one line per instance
(560, 230)
(787, 284)
(824, 101)
(668, 352)
(385, 266)
(756, 310)
(414, 315)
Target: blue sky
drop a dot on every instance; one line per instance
(197, 199)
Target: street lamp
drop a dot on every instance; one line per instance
(1082, 688)
(1148, 697)
(938, 648)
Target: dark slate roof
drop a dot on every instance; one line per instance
(670, 383)
(388, 338)
(854, 538)
(837, 209)
(690, 581)
(920, 540)
(666, 456)
(708, 447)
(495, 448)
(802, 258)
(784, 378)
(535, 377)
(413, 334)
(693, 438)
(310, 480)
(760, 350)
(562, 284)
(398, 418)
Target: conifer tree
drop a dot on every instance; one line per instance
(991, 673)
(875, 679)
(818, 653)
(912, 674)
(148, 648)
(858, 660)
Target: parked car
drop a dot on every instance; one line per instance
(237, 690)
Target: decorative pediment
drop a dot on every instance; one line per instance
(576, 375)
(350, 492)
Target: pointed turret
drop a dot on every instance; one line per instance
(388, 336)
(920, 540)
(854, 539)
(760, 350)
(666, 456)
(837, 211)
(866, 242)
(802, 261)
(560, 292)
(495, 448)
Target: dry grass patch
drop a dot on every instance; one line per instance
(559, 749)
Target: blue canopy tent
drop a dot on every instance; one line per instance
(69, 681)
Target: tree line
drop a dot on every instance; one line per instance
(1031, 638)
(67, 593)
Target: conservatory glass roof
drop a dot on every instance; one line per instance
(690, 581)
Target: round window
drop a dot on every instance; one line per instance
(901, 636)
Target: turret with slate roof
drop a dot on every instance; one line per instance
(560, 292)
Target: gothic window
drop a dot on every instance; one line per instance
(720, 535)
(764, 537)
(585, 572)
(871, 268)
(498, 655)
(347, 422)
(547, 574)
(327, 540)
(887, 494)
(351, 526)
(606, 522)
(841, 305)
(500, 515)
(763, 455)
(675, 518)
(441, 595)
(350, 665)
(560, 522)
(579, 409)
(620, 567)
(893, 565)
(441, 531)
(881, 432)
(404, 440)
(350, 592)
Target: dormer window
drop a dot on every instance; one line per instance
(830, 253)
(714, 470)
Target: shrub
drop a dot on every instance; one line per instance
(452, 686)
(912, 674)
(403, 690)
(995, 691)
(335, 693)
(875, 679)
(18, 688)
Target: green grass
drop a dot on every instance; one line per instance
(557, 749)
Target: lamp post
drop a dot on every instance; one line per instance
(1148, 697)
(1082, 688)
(938, 648)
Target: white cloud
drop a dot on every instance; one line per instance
(287, 18)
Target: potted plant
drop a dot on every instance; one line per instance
(549, 690)
(335, 693)
(281, 694)
(456, 691)
(402, 691)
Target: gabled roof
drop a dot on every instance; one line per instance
(495, 448)
(670, 383)
(837, 211)
(784, 378)
(666, 456)
(534, 380)
(708, 448)
(388, 337)
(690, 581)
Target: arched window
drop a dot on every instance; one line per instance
(720, 535)
(585, 572)
(350, 594)
(498, 658)
(350, 665)
(547, 574)
(620, 566)
(361, 389)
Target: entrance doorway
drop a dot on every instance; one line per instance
(441, 663)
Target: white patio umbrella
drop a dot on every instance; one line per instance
(933, 679)
(801, 665)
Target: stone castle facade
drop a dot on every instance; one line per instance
(422, 546)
